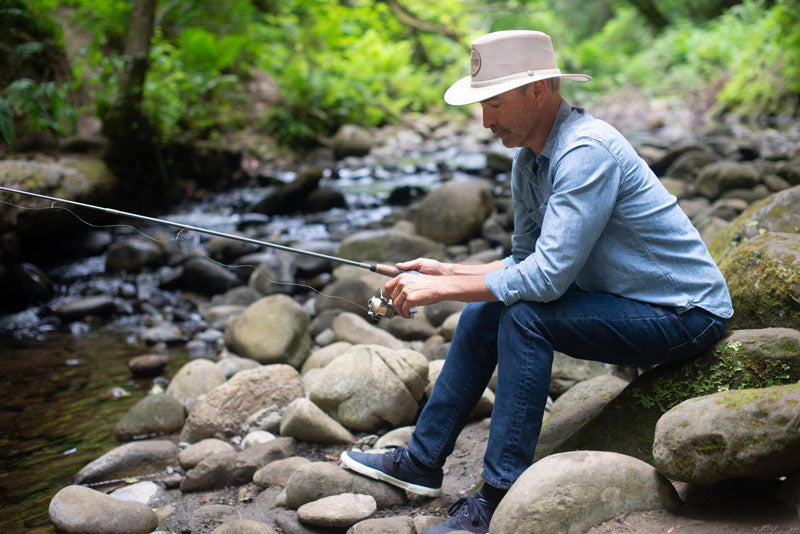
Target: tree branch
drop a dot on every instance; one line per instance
(409, 19)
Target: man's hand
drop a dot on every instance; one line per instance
(438, 281)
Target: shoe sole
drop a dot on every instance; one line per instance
(380, 475)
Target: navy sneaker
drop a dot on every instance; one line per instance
(396, 468)
(472, 514)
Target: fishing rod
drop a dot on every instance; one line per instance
(378, 306)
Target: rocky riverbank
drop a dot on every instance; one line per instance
(246, 436)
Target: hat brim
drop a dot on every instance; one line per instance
(462, 93)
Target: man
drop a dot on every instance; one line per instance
(604, 266)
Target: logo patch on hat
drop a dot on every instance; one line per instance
(475, 62)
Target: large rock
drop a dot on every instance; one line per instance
(152, 454)
(194, 381)
(244, 526)
(341, 511)
(349, 294)
(132, 255)
(745, 359)
(226, 409)
(303, 420)
(719, 177)
(356, 330)
(455, 212)
(372, 387)
(236, 468)
(291, 197)
(572, 492)
(279, 472)
(153, 415)
(352, 140)
(204, 276)
(568, 371)
(322, 479)
(776, 213)
(80, 510)
(763, 278)
(578, 405)
(72, 310)
(196, 452)
(273, 329)
(752, 433)
(388, 246)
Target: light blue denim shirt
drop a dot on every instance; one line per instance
(589, 210)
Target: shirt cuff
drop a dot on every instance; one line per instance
(497, 284)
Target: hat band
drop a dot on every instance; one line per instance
(527, 73)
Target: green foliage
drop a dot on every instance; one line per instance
(42, 106)
(766, 75)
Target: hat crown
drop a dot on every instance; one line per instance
(505, 53)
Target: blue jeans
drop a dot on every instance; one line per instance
(520, 340)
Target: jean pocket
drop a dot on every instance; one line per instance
(698, 331)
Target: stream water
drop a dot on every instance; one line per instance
(56, 412)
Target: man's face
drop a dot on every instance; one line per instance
(512, 116)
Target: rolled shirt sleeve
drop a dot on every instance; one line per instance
(545, 260)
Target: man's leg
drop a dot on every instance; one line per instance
(468, 367)
(592, 326)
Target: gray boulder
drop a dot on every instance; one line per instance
(743, 360)
(575, 407)
(201, 275)
(132, 255)
(572, 492)
(338, 511)
(349, 294)
(322, 479)
(751, 433)
(357, 331)
(388, 246)
(152, 454)
(196, 452)
(153, 415)
(455, 212)
(236, 468)
(352, 140)
(279, 472)
(719, 177)
(244, 526)
(80, 510)
(303, 420)
(273, 329)
(194, 381)
(227, 408)
(384, 525)
(568, 371)
(371, 387)
(325, 355)
(146, 492)
(72, 310)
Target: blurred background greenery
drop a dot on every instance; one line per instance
(371, 62)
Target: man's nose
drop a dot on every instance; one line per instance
(488, 118)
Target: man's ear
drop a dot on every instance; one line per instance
(537, 91)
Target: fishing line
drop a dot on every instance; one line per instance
(178, 238)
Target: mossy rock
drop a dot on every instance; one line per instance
(745, 359)
(776, 213)
(764, 281)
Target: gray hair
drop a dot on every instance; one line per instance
(553, 84)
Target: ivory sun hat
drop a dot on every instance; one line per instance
(504, 60)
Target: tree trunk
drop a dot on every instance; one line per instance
(131, 147)
(651, 13)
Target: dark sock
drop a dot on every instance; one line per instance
(419, 465)
(491, 495)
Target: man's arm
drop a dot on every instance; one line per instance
(438, 281)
